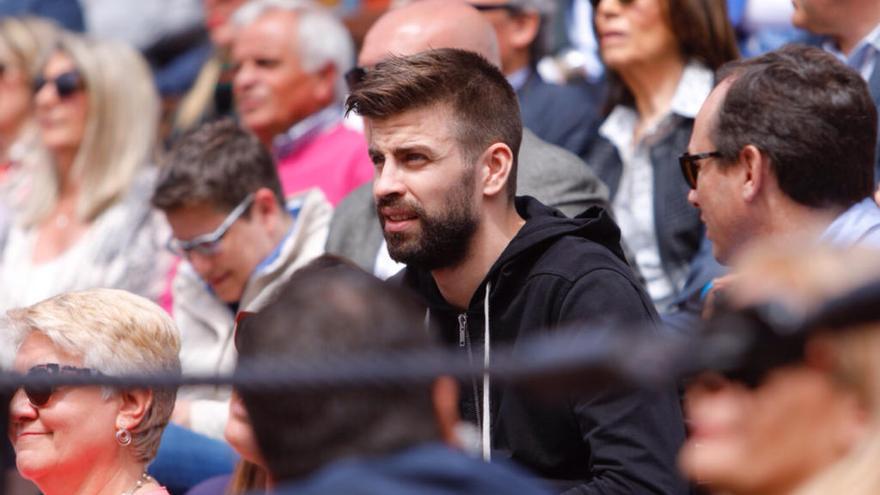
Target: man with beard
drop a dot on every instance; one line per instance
(443, 128)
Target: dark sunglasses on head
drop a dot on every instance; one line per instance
(39, 395)
(354, 77)
(509, 7)
(66, 84)
(690, 167)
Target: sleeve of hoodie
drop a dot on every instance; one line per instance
(633, 437)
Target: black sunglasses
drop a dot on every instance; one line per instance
(690, 168)
(354, 77)
(66, 84)
(39, 395)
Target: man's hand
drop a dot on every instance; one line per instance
(715, 295)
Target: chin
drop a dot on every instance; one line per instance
(31, 465)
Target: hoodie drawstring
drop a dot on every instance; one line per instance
(486, 427)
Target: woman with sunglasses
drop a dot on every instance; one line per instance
(660, 57)
(86, 221)
(91, 440)
(805, 426)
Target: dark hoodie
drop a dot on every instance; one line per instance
(555, 271)
(425, 470)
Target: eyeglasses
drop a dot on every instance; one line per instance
(690, 168)
(209, 244)
(39, 395)
(354, 77)
(66, 84)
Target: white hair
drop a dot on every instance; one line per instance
(321, 38)
(116, 333)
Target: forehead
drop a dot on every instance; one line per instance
(195, 219)
(428, 126)
(37, 348)
(59, 62)
(707, 117)
(271, 33)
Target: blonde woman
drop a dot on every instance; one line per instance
(86, 221)
(91, 440)
(805, 428)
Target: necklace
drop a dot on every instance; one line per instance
(145, 478)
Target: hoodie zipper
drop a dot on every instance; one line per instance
(462, 329)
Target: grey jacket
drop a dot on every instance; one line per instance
(551, 174)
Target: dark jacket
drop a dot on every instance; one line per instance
(555, 271)
(874, 87)
(685, 252)
(564, 115)
(426, 470)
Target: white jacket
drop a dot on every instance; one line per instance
(206, 322)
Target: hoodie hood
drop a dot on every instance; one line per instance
(544, 226)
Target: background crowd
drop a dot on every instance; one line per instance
(195, 186)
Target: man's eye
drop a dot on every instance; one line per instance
(415, 157)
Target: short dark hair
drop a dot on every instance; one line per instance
(332, 307)
(704, 34)
(811, 115)
(484, 104)
(218, 163)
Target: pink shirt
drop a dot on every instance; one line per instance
(336, 161)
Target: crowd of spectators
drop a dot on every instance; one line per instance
(197, 188)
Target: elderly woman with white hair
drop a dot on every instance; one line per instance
(91, 440)
(86, 220)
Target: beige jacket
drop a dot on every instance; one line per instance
(206, 322)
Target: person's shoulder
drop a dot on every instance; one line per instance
(573, 257)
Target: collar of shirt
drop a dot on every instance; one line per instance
(518, 79)
(863, 57)
(303, 131)
(693, 88)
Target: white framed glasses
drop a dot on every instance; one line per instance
(209, 244)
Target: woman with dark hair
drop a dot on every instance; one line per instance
(660, 57)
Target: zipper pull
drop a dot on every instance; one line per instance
(462, 329)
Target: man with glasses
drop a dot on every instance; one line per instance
(238, 240)
(784, 145)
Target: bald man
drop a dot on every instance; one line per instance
(551, 174)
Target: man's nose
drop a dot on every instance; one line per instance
(388, 181)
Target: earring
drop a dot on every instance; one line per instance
(123, 436)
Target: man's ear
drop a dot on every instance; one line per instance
(325, 90)
(526, 26)
(496, 164)
(757, 168)
(444, 392)
(134, 406)
(265, 208)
